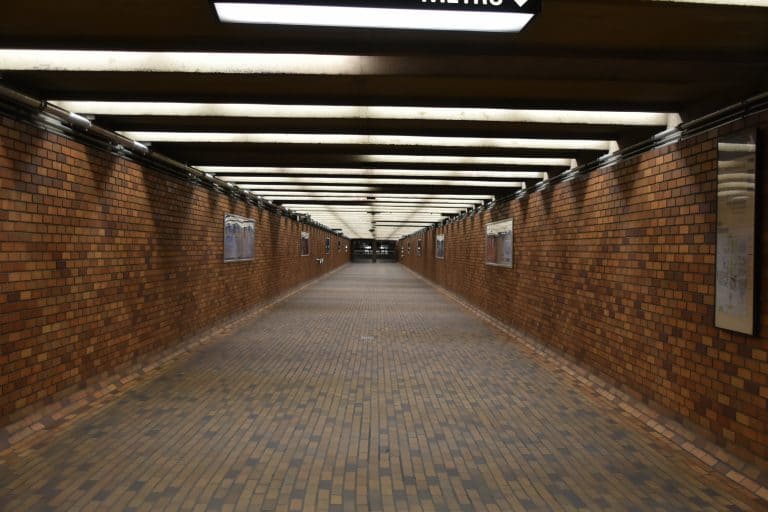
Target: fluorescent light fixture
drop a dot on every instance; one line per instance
(331, 202)
(405, 223)
(359, 172)
(488, 20)
(410, 140)
(337, 207)
(395, 218)
(364, 221)
(266, 111)
(311, 138)
(378, 209)
(388, 196)
(240, 181)
(465, 160)
(307, 188)
(368, 224)
(185, 62)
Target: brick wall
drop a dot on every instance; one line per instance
(616, 269)
(104, 262)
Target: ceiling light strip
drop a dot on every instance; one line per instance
(242, 181)
(234, 172)
(465, 160)
(391, 196)
(276, 111)
(303, 138)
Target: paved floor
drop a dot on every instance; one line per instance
(367, 391)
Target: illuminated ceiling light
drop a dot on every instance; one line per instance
(307, 188)
(378, 140)
(304, 199)
(184, 62)
(282, 196)
(303, 171)
(401, 218)
(367, 223)
(309, 204)
(468, 160)
(244, 180)
(495, 17)
(372, 207)
(394, 196)
(376, 206)
(379, 213)
(257, 110)
(369, 210)
(411, 140)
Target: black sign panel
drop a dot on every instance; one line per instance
(501, 6)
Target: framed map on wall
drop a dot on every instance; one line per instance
(239, 238)
(440, 247)
(304, 243)
(736, 232)
(498, 243)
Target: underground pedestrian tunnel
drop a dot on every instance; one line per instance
(370, 256)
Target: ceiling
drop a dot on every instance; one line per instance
(388, 130)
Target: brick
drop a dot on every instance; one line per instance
(133, 254)
(615, 268)
(405, 401)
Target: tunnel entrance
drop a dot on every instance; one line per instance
(373, 251)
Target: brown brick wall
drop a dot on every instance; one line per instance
(617, 270)
(103, 261)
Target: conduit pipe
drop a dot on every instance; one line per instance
(726, 115)
(685, 130)
(86, 126)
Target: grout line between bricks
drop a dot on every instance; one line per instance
(23, 434)
(706, 452)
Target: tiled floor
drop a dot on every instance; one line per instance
(367, 391)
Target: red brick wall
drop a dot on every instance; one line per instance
(617, 270)
(103, 261)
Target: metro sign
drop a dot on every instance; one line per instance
(454, 15)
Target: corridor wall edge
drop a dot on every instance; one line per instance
(616, 270)
(105, 262)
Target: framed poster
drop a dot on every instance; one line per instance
(304, 243)
(418, 247)
(327, 246)
(440, 247)
(239, 238)
(498, 243)
(736, 232)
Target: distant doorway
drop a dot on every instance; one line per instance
(374, 251)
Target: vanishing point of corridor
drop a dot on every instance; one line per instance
(368, 390)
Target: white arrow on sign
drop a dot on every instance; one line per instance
(521, 3)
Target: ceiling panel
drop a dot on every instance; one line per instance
(609, 55)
